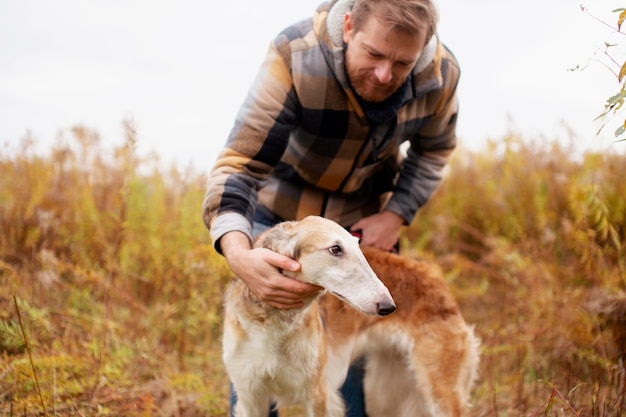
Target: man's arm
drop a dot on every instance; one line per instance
(430, 148)
(255, 144)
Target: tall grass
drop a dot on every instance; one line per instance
(532, 237)
(120, 290)
(113, 267)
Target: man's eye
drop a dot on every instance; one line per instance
(336, 250)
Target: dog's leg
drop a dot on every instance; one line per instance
(390, 388)
(253, 398)
(428, 374)
(247, 407)
(445, 360)
(322, 400)
(334, 405)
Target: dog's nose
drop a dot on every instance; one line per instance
(382, 309)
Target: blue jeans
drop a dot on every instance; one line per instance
(351, 391)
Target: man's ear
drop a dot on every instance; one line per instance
(347, 27)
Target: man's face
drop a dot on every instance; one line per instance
(379, 60)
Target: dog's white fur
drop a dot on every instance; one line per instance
(420, 361)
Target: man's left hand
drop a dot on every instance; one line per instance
(380, 230)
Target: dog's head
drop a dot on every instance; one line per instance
(331, 258)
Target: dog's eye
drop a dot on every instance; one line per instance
(336, 250)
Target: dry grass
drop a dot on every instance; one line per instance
(119, 289)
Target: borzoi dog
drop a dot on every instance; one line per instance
(420, 361)
(281, 355)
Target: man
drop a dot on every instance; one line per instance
(320, 133)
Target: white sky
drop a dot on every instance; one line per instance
(181, 68)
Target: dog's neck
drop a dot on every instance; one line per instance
(262, 312)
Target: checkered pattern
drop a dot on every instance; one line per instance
(302, 145)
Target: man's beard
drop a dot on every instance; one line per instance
(366, 86)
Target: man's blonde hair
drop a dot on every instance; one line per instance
(415, 17)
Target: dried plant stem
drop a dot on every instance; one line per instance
(30, 357)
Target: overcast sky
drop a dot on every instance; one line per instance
(180, 69)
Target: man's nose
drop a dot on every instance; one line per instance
(383, 72)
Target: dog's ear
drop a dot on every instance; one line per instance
(281, 239)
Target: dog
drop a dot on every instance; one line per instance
(280, 355)
(419, 361)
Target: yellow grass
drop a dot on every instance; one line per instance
(120, 290)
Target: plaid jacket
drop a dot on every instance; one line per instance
(302, 145)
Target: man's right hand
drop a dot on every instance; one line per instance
(260, 268)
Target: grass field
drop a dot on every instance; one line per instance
(110, 291)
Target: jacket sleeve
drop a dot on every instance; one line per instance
(430, 150)
(254, 146)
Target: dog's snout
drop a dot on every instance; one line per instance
(384, 308)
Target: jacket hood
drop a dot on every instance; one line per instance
(335, 13)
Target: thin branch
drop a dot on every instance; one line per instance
(585, 10)
(30, 357)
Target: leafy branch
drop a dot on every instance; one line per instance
(614, 103)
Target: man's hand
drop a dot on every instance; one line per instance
(259, 269)
(380, 230)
